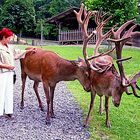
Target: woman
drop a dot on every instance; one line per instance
(7, 56)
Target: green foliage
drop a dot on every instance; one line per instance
(48, 30)
(58, 6)
(18, 15)
(0, 9)
(122, 10)
(1, 2)
(41, 9)
(38, 26)
(25, 15)
(138, 18)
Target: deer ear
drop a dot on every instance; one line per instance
(79, 64)
(79, 59)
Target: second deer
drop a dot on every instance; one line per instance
(105, 80)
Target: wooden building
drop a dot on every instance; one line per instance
(68, 27)
(69, 31)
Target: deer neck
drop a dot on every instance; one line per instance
(68, 70)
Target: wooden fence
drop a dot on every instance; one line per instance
(74, 36)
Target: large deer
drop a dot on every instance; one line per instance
(104, 77)
(49, 68)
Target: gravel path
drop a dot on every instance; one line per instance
(29, 123)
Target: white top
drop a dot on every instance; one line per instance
(8, 54)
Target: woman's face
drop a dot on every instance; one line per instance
(7, 40)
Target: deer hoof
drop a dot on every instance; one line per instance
(22, 107)
(85, 125)
(52, 115)
(41, 107)
(108, 125)
(48, 123)
(101, 113)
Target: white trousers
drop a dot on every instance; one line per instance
(6, 93)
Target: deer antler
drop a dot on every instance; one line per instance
(122, 36)
(119, 46)
(125, 82)
(102, 54)
(120, 40)
(101, 21)
(104, 62)
(119, 33)
(130, 31)
(134, 86)
(84, 24)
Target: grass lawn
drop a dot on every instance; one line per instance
(125, 120)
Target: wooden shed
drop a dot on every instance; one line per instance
(68, 27)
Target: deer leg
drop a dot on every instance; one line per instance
(35, 86)
(23, 78)
(101, 109)
(51, 99)
(93, 93)
(108, 124)
(46, 90)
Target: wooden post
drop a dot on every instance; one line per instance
(59, 33)
(41, 43)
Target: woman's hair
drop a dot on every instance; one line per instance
(5, 32)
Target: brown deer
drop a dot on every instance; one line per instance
(49, 68)
(104, 77)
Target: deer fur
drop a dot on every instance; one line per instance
(49, 68)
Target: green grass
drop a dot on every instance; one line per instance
(125, 120)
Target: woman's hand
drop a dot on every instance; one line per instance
(33, 50)
(11, 67)
(5, 66)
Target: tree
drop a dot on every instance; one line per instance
(42, 13)
(1, 2)
(41, 8)
(18, 15)
(49, 31)
(122, 10)
(58, 6)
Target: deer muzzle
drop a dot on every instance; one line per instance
(116, 102)
(87, 88)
